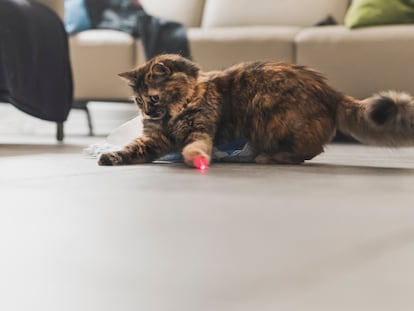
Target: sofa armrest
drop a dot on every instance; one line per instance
(55, 5)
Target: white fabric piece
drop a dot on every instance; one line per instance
(124, 134)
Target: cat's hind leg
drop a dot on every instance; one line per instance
(297, 145)
(283, 157)
(295, 149)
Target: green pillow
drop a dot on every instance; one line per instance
(379, 12)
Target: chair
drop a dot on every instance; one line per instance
(35, 72)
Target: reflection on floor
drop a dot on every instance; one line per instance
(333, 234)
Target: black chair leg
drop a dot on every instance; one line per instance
(88, 116)
(59, 131)
(83, 105)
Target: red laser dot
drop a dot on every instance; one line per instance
(201, 164)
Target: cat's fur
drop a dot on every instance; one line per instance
(286, 112)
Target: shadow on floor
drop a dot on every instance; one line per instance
(10, 150)
(245, 170)
(340, 169)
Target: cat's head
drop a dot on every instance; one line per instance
(162, 85)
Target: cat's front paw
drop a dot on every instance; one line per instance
(111, 159)
(196, 157)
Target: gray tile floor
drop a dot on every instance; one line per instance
(334, 234)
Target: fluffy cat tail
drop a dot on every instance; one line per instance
(385, 119)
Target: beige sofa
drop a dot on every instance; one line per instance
(222, 32)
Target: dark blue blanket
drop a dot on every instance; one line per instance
(158, 35)
(35, 73)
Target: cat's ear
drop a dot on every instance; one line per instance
(185, 65)
(128, 76)
(160, 70)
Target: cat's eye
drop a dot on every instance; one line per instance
(154, 99)
(139, 100)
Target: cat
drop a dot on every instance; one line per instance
(286, 112)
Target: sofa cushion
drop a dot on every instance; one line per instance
(362, 61)
(188, 12)
(379, 12)
(218, 48)
(97, 58)
(218, 13)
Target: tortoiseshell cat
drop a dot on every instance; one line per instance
(286, 112)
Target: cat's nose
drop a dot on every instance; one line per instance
(153, 112)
